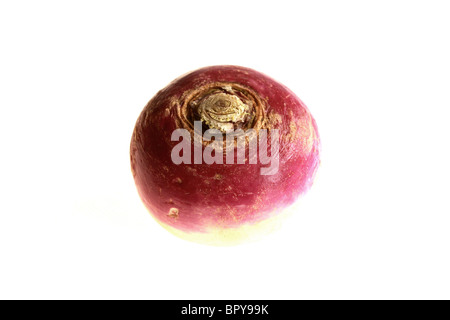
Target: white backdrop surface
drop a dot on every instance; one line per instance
(74, 77)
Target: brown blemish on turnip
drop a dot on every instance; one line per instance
(192, 171)
(173, 101)
(177, 180)
(173, 213)
(274, 120)
(292, 131)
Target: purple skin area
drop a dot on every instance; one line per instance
(197, 197)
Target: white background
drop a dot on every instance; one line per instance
(74, 77)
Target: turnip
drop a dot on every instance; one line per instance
(221, 152)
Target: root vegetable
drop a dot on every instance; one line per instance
(262, 133)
